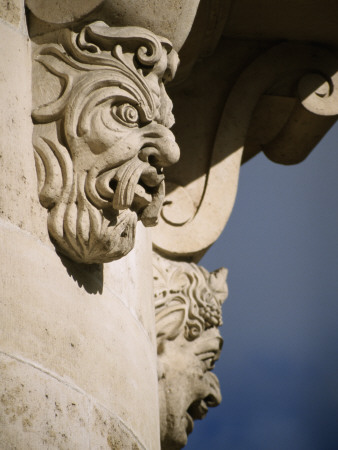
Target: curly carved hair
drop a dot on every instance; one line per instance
(188, 298)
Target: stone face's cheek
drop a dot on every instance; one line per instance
(173, 391)
(185, 392)
(182, 390)
(112, 127)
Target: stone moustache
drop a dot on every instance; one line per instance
(188, 307)
(101, 136)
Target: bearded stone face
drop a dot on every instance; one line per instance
(102, 144)
(126, 156)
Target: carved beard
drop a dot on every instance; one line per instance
(90, 235)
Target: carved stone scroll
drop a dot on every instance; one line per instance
(101, 136)
(188, 308)
(189, 224)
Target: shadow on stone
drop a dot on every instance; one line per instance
(88, 276)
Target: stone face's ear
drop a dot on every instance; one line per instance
(96, 92)
(169, 323)
(218, 283)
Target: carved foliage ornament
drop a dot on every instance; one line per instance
(101, 136)
(188, 301)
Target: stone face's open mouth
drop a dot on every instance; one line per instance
(190, 423)
(196, 411)
(146, 188)
(136, 185)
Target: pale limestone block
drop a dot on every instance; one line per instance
(135, 288)
(172, 19)
(11, 11)
(62, 11)
(19, 202)
(107, 432)
(71, 321)
(38, 411)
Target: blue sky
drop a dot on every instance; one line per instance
(279, 364)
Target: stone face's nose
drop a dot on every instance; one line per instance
(158, 146)
(214, 397)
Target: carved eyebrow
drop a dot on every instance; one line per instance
(209, 345)
(209, 359)
(211, 353)
(207, 355)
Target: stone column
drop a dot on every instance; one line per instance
(77, 337)
(70, 338)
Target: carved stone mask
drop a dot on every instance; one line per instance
(187, 387)
(102, 136)
(188, 303)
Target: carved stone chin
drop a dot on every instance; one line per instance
(188, 302)
(101, 136)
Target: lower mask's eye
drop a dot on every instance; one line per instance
(126, 114)
(208, 364)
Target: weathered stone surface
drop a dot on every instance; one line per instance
(66, 327)
(11, 11)
(109, 433)
(84, 325)
(169, 18)
(188, 302)
(40, 410)
(62, 11)
(19, 202)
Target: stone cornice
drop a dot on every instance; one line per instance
(197, 209)
(169, 18)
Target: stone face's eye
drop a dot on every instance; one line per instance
(209, 363)
(208, 360)
(126, 114)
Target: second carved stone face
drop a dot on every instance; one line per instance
(102, 144)
(188, 311)
(187, 388)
